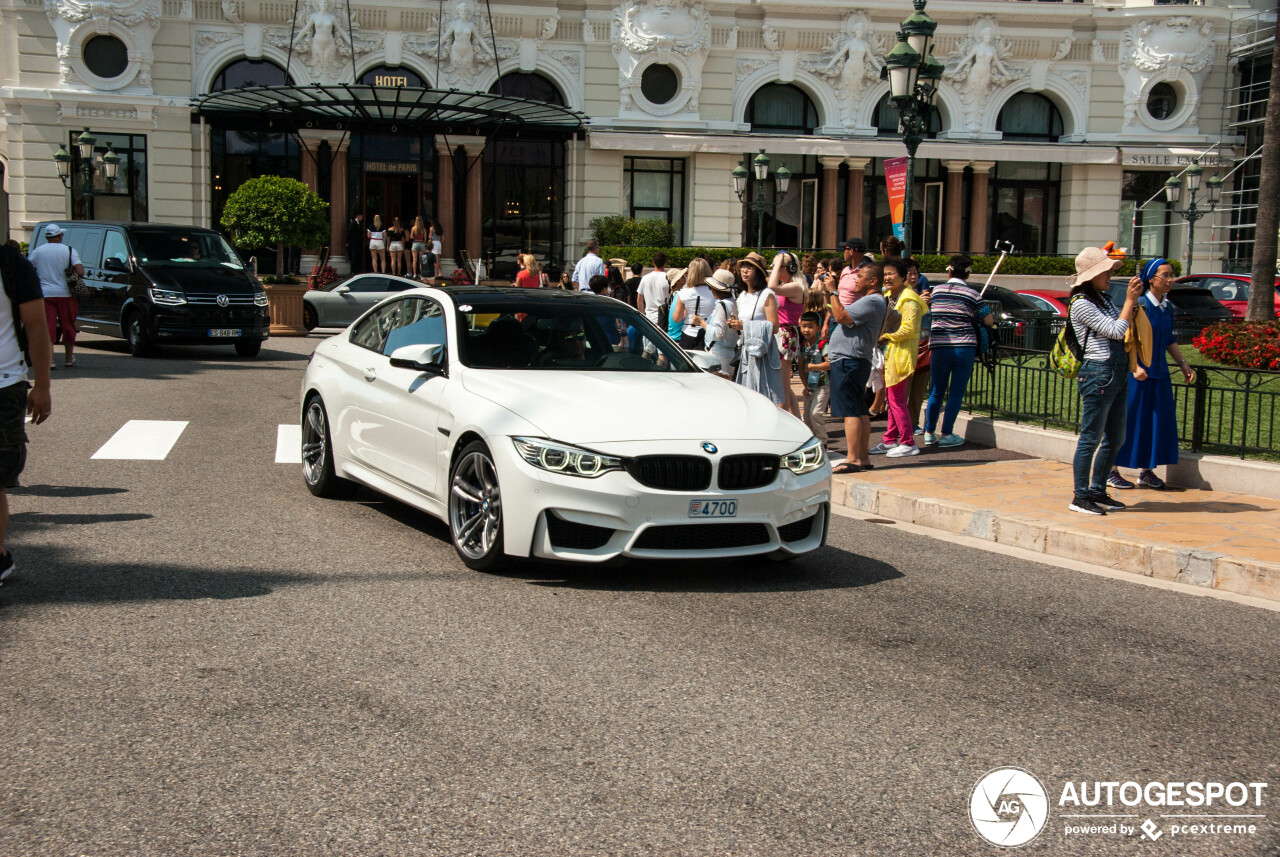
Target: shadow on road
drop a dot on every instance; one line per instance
(39, 520)
(110, 358)
(62, 491)
(56, 576)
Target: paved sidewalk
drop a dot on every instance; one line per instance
(1204, 538)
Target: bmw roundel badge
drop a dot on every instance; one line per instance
(709, 448)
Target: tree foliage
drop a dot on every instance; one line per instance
(274, 211)
(615, 229)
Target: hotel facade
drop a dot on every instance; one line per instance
(1057, 123)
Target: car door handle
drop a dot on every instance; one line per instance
(370, 374)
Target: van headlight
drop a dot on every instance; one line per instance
(806, 459)
(167, 297)
(260, 298)
(562, 458)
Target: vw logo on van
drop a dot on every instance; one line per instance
(224, 301)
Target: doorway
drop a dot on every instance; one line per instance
(390, 196)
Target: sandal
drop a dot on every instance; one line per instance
(844, 468)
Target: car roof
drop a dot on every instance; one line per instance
(487, 294)
(1057, 294)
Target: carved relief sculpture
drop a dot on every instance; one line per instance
(676, 33)
(1175, 50)
(979, 67)
(323, 44)
(853, 60)
(462, 45)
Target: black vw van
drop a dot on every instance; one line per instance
(154, 284)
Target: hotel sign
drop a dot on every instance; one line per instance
(390, 80)
(402, 167)
(1169, 158)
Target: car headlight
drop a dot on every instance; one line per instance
(259, 298)
(561, 458)
(806, 459)
(168, 297)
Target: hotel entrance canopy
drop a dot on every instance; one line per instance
(364, 107)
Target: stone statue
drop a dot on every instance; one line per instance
(853, 59)
(979, 69)
(461, 41)
(324, 43)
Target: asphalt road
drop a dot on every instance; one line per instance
(199, 658)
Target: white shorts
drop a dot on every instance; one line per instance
(376, 244)
(397, 247)
(435, 247)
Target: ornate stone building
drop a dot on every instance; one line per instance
(1057, 121)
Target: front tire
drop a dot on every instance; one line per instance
(249, 348)
(310, 320)
(140, 342)
(317, 455)
(475, 509)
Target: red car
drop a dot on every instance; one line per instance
(1048, 299)
(1231, 290)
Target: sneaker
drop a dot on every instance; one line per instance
(1148, 479)
(903, 450)
(917, 430)
(950, 440)
(882, 448)
(1115, 480)
(1085, 506)
(929, 439)
(1106, 501)
(7, 566)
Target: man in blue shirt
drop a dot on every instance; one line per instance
(859, 325)
(590, 265)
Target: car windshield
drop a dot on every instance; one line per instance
(1189, 300)
(1230, 290)
(177, 248)
(564, 334)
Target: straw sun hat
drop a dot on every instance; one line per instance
(1091, 262)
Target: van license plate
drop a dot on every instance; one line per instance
(229, 333)
(713, 508)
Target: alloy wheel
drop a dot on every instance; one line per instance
(475, 506)
(314, 435)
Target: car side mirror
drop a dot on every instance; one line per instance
(704, 360)
(113, 263)
(421, 358)
(342, 290)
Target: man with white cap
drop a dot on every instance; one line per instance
(52, 260)
(21, 317)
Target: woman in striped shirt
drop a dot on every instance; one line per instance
(1104, 377)
(953, 348)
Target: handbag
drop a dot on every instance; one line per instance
(75, 283)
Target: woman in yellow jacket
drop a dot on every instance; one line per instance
(900, 359)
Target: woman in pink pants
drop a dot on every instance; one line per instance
(901, 345)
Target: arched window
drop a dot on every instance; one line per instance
(243, 73)
(1031, 117)
(781, 108)
(534, 87)
(887, 119)
(523, 181)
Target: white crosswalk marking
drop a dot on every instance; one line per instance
(289, 444)
(148, 440)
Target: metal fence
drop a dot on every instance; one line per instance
(1225, 412)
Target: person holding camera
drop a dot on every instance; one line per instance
(788, 284)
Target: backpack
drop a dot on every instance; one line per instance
(1068, 352)
(10, 260)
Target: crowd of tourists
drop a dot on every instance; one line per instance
(393, 248)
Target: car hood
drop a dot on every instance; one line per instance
(199, 281)
(606, 407)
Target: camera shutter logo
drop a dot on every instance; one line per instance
(1009, 807)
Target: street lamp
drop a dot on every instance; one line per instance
(760, 165)
(913, 85)
(1193, 212)
(85, 144)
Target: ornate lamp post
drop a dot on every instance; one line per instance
(913, 85)
(85, 143)
(760, 165)
(1192, 212)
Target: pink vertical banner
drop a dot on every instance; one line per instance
(895, 178)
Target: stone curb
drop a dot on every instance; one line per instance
(1211, 570)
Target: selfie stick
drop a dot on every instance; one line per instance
(1005, 248)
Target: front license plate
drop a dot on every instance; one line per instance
(713, 508)
(228, 332)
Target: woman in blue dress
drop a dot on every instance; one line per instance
(1151, 432)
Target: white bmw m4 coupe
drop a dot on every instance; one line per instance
(556, 425)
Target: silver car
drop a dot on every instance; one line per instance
(342, 303)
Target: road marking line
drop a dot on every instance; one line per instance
(148, 440)
(289, 444)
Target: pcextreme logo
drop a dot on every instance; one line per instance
(1009, 807)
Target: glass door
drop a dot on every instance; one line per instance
(808, 214)
(931, 240)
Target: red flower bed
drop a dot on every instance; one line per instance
(1249, 345)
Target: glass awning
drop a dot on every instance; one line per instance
(358, 105)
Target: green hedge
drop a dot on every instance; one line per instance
(1047, 266)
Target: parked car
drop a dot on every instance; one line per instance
(1231, 290)
(1020, 322)
(154, 284)
(1193, 309)
(339, 304)
(523, 419)
(1049, 300)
